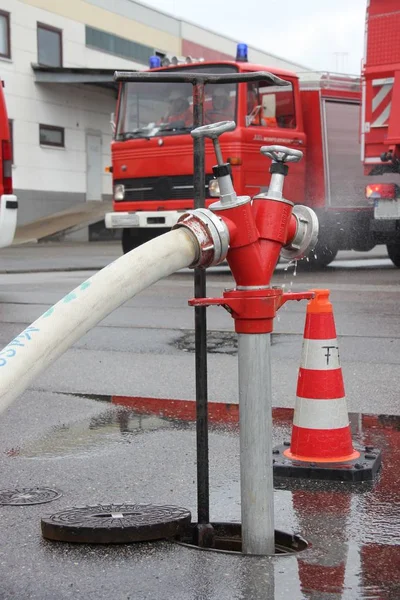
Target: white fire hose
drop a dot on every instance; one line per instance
(40, 344)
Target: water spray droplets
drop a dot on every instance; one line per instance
(291, 263)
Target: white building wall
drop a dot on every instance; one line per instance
(49, 179)
(76, 108)
(142, 14)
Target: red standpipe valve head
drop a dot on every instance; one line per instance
(286, 230)
(272, 212)
(236, 213)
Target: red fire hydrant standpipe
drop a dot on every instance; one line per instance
(252, 234)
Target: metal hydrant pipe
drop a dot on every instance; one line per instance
(40, 344)
(255, 430)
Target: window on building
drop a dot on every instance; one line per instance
(5, 46)
(49, 45)
(11, 128)
(51, 136)
(113, 44)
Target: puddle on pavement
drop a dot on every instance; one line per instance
(353, 530)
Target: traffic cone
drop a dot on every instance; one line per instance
(321, 446)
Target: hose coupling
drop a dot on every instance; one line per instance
(306, 235)
(211, 233)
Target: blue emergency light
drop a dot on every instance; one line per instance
(154, 62)
(242, 53)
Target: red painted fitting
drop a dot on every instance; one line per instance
(244, 256)
(253, 310)
(257, 234)
(292, 229)
(273, 219)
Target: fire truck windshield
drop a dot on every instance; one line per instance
(159, 109)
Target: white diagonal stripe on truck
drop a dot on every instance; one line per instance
(381, 95)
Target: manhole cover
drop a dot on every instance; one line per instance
(116, 523)
(27, 496)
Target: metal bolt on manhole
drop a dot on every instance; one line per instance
(116, 523)
(28, 496)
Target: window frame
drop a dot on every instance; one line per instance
(11, 130)
(7, 15)
(121, 112)
(40, 25)
(259, 85)
(52, 128)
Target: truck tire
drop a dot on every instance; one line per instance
(132, 238)
(322, 255)
(394, 253)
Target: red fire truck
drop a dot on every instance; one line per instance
(380, 133)
(152, 150)
(8, 201)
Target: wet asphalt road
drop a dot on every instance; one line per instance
(135, 349)
(99, 450)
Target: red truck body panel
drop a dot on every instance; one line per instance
(381, 83)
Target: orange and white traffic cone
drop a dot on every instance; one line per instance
(321, 446)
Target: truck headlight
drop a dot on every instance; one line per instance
(213, 188)
(119, 191)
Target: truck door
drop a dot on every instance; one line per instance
(344, 172)
(270, 117)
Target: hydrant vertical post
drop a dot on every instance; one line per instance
(257, 232)
(256, 475)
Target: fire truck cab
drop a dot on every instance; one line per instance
(8, 201)
(152, 150)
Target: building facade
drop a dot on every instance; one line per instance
(57, 58)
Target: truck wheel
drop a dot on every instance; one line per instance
(132, 238)
(394, 253)
(321, 256)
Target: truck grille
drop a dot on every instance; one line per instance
(178, 187)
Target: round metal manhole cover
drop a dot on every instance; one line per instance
(28, 496)
(116, 523)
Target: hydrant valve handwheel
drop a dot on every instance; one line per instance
(214, 130)
(281, 153)
(222, 171)
(302, 232)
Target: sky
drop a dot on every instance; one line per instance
(325, 35)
